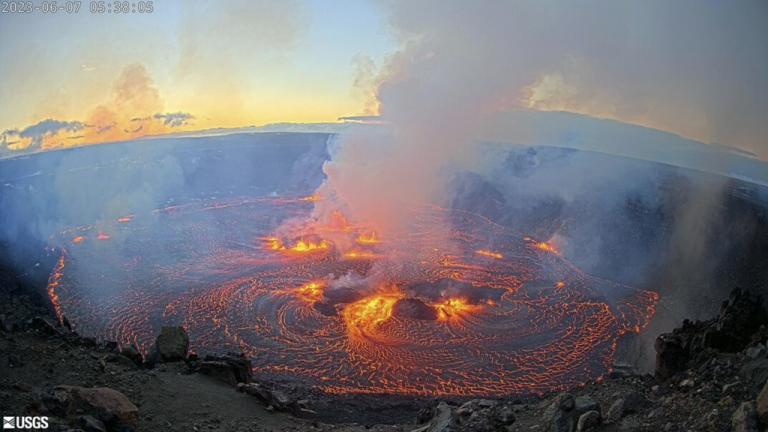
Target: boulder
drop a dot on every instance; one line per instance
(564, 412)
(271, 396)
(588, 421)
(441, 420)
(745, 418)
(476, 415)
(104, 404)
(632, 403)
(172, 344)
(119, 359)
(132, 352)
(218, 370)
(671, 357)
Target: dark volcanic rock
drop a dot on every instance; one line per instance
(745, 418)
(172, 344)
(588, 421)
(740, 316)
(671, 356)
(271, 395)
(476, 415)
(762, 404)
(133, 353)
(415, 309)
(629, 404)
(564, 412)
(105, 404)
(756, 373)
(731, 331)
(44, 325)
(90, 424)
(231, 368)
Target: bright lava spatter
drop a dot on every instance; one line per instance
(493, 313)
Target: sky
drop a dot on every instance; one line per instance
(208, 64)
(696, 68)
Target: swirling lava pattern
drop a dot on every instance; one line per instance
(463, 306)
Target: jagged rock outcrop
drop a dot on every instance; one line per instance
(731, 331)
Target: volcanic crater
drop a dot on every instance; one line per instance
(487, 311)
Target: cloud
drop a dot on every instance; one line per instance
(32, 137)
(134, 109)
(174, 119)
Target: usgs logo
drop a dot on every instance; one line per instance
(25, 422)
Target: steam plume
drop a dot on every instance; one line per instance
(656, 64)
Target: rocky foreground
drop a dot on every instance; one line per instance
(710, 376)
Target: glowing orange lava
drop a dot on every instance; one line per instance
(311, 292)
(78, 239)
(546, 247)
(363, 316)
(455, 307)
(488, 253)
(309, 246)
(359, 254)
(125, 219)
(311, 198)
(102, 236)
(53, 282)
(368, 239)
(301, 246)
(458, 321)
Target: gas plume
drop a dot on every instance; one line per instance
(461, 65)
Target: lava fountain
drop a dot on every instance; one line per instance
(498, 313)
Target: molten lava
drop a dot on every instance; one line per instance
(490, 254)
(459, 321)
(363, 316)
(368, 239)
(359, 254)
(454, 307)
(546, 247)
(309, 246)
(311, 292)
(311, 198)
(301, 246)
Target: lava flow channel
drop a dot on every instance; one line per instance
(494, 313)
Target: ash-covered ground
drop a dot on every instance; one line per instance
(160, 215)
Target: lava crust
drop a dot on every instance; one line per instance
(475, 311)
